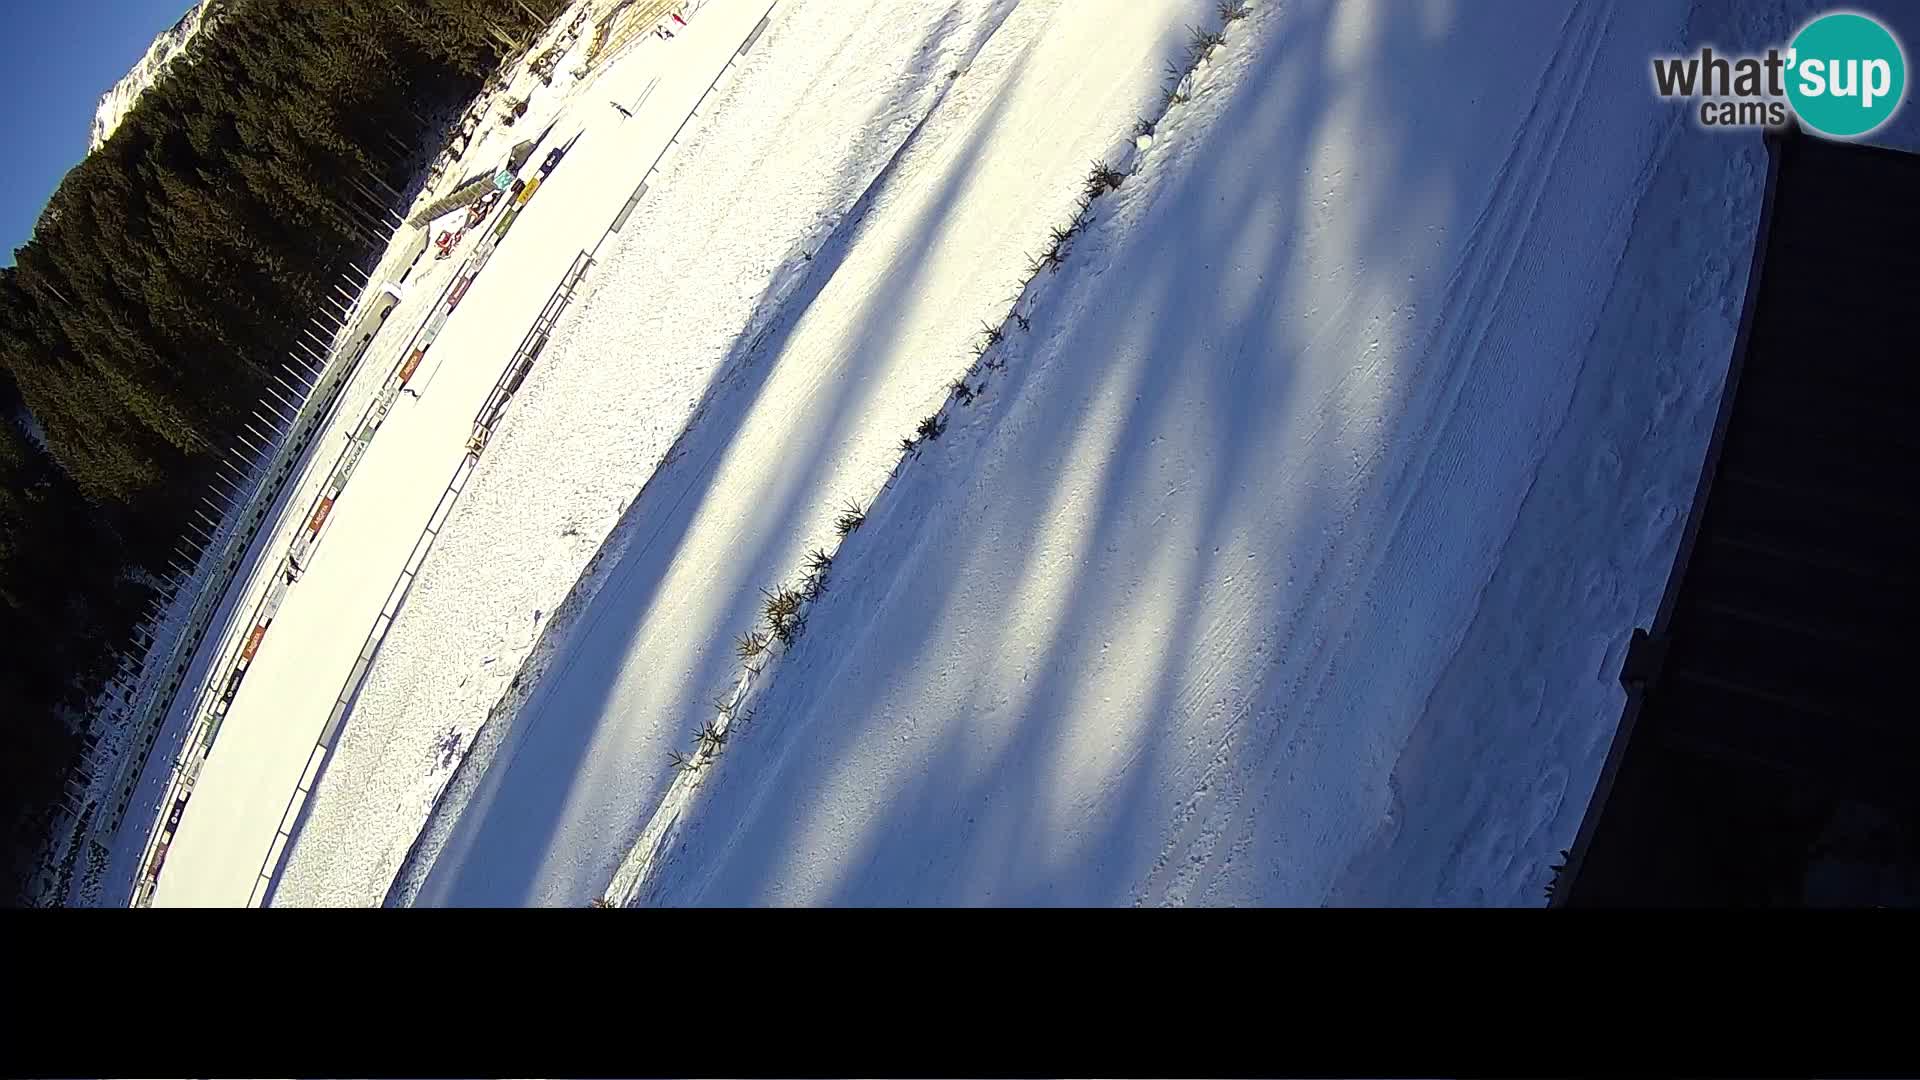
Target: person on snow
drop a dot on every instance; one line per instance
(622, 108)
(678, 19)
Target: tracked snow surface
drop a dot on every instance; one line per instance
(1282, 550)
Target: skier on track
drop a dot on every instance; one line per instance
(622, 108)
(678, 19)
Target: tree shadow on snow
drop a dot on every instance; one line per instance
(492, 836)
(1100, 597)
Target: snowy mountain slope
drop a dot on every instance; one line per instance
(1160, 619)
(116, 103)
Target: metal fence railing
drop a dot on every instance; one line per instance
(245, 638)
(485, 421)
(251, 501)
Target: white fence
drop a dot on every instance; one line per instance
(491, 412)
(245, 640)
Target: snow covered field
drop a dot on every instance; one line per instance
(1288, 559)
(1233, 509)
(1292, 560)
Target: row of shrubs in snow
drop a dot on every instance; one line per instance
(785, 607)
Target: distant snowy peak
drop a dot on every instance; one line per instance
(117, 102)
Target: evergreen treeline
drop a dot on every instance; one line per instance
(165, 283)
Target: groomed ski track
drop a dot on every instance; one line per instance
(1153, 621)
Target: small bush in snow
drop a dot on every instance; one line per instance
(1232, 11)
(1102, 179)
(909, 444)
(1022, 321)
(1201, 42)
(752, 644)
(784, 620)
(782, 604)
(600, 902)
(710, 739)
(1143, 126)
(1083, 214)
(931, 427)
(993, 334)
(850, 519)
(682, 763)
(961, 390)
(1176, 81)
(788, 632)
(813, 584)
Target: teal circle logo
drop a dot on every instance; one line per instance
(1847, 75)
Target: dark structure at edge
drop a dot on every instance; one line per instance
(1767, 756)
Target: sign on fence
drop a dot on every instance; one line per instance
(253, 644)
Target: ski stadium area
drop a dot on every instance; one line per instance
(806, 484)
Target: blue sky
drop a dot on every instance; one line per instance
(56, 58)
